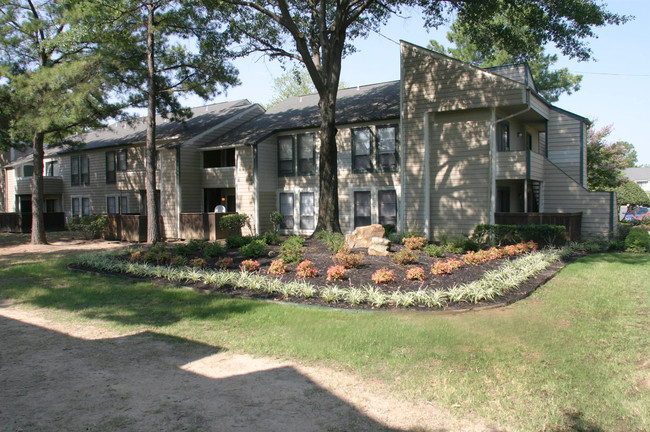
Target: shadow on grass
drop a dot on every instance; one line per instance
(575, 422)
(616, 257)
(148, 381)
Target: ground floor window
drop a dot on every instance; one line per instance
(307, 210)
(387, 207)
(111, 205)
(286, 209)
(362, 209)
(80, 206)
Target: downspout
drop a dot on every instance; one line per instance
(427, 176)
(403, 147)
(179, 191)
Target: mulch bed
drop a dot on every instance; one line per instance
(320, 255)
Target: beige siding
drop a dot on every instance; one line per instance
(191, 184)
(11, 190)
(459, 161)
(564, 143)
(539, 106)
(564, 195)
(218, 177)
(245, 183)
(166, 182)
(267, 182)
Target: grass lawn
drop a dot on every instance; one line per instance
(573, 356)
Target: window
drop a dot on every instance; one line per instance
(51, 169)
(124, 205)
(111, 205)
(80, 206)
(362, 212)
(286, 209)
(307, 210)
(28, 170)
(111, 167)
(387, 148)
(285, 156)
(79, 170)
(504, 137)
(122, 160)
(387, 207)
(361, 144)
(306, 154)
(529, 141)
(219, 158)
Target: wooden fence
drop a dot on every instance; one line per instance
(203, 226)
(572, 221)
(22, 222)
(129, 227)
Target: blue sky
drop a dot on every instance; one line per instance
(614, 88)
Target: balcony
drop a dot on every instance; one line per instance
(218, 177)
(52, 185)
(131, 180)
(520, 165)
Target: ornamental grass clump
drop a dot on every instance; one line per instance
(278, 267)
(415, 273)
(335, 273)
(306, 269)
(383, 276)
(249, 266)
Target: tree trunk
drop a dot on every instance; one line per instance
(328, 199)
(38, 223)
(153, 229)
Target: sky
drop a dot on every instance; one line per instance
(614, 89)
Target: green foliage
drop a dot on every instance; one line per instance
(631, 193)
(211, 250)
(196, 244)
(592, 244)
(638, 240)
(412, 233)
(462, 244)
(276, 220)
(270, 237)
(237, 241)
(543, 235)
(179, 261)
(292, 250)
(93, 226)
(344, 257)
(233, 222)
(405, 256)
(434, 251)
(254, 249)
(333, 240)
(182, 250)
(605, 161)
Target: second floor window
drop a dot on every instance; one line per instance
(306, 154)
(380, 141)
(111, 167)
(285, 156)
(361, 149)
(387, 148)
(219, 158)
(504, 138)
(79, 170)
(51, 169)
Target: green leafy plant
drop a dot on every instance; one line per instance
(434, 251)
(405, 256)
(638, 240)
(224, 263)
(179, 260)
(347, 259)
(276, 220)
(93, 226)
(333, 240)
(543, 235)
(237, 241)
(292, 249)
(254, 249)
(198, 263)
(233, 222)
(211, 250)
(270, 237)
(182, 249)
(196, 244)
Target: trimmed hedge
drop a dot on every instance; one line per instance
(543, 235)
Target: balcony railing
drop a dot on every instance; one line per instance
(52, 185)
(520, 165)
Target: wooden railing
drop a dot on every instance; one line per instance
(129, 227)
(203, 226)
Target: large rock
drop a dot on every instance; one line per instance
(379, 246)
(362, 236)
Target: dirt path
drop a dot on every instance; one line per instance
(60, 376)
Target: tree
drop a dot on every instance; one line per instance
(158, 49)
(54, 85)
(605, 161)
(550, 83)
(318, 33)
(631, 193)
(295, 82)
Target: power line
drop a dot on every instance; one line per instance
(612, 74)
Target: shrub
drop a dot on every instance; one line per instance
(278, 267)
(306, 269)
(179, 261)
(405, 256)
(292, 249)
(276, 220)
(198, 263)
(249, 265)
(224, 263)
(333, 240)
(462, 244)
(446, 267)
(182, 250)
(395, 238)
(383, 275)
(254, 249)
(136, 256)
(211, 250)
(414, 243)
(270, 237)
(434, 251)
(335, 272)
(415, 273)
(159, 257)
(233, 222)
(347, 259)
(412, 233)
(638, 240)
(237, 241)
(93, 226)
(593, 244)
(196, 245)
(544, 235)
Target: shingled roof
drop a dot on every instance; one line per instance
(125, 133)
(354, 105)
